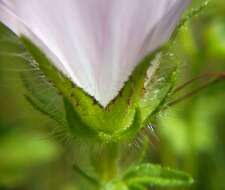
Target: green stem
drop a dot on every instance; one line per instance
(106, 163)
(197, 90)
(144, 150)
(110, 161)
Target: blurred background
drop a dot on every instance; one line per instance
(192, 133)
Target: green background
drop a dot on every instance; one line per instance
(190, 136)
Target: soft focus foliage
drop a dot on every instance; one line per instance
(190, 136)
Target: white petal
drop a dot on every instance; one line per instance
(97, 43)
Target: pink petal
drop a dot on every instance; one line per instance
(96, 43)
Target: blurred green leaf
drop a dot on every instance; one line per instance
(147, 175)
(20, 153)
(115, 185)
(215, 37)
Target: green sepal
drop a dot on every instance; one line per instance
(42, 96)
(196, 10)
(118, 115)
(159, 86)
(130, 133)
(42, 109)
(78, 129)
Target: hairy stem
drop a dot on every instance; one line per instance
(217, 78)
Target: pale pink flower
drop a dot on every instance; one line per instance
(96, 43)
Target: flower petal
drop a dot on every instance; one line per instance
(96, 43)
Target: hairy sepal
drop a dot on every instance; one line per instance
(107, 122)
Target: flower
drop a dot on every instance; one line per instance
(96, 43)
